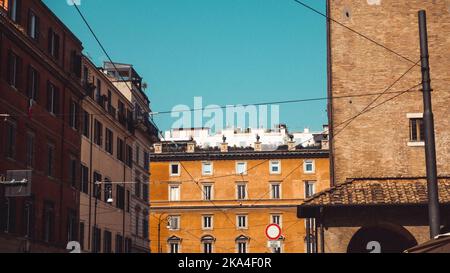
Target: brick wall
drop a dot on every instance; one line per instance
(376, 143)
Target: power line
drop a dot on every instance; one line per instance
(354, 31)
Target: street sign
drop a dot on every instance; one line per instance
(274, 244)
(18, 183)
(273, 232)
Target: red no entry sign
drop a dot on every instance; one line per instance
(273, 232)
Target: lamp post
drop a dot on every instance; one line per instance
(159, 229)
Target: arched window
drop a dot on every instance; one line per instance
(174, 244)
(208, 244)
(242, 244)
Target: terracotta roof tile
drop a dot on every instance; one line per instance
(383, 191)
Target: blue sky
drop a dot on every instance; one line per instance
(227, 51)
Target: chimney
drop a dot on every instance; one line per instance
(158, 148)
(291, 143)
(190, 147)
(224, 145)
(258, 144)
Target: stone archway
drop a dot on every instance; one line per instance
(381, 239)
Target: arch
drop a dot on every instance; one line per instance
(174, 239)
(384, 238)
(241, 238)
(208, 238)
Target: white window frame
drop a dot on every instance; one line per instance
(237, 191)
(271, 220)
(170, 219)
(211, 222)
(237, 167)
(203, 168)
(272, 162)
(169, 247)
(411, 143)
(204, 192)
(238, 247)
(314, 188)
(179, 169)
(33, 26)
(279, 189)
(170, 192)
(238, 222)
(306, 162)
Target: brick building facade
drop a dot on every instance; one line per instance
(378, 159)
(40, 90)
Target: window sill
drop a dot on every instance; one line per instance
(416, 144)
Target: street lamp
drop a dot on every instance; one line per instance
(167, 219)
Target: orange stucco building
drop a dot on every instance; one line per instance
(221, 200)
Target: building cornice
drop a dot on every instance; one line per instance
(233, 155)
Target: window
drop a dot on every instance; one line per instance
(241, 168)
(107, 241)
(30, 150)
(72, 226)
(137, 222)
(120, 195)
(120, 149)
(10, 217)
(50, 160)
(28, 220)
(137, 188)
(52, 99)
(73, 163)
(14, 10)
(108, 191)
(53, 44)
(98, 91)
(14, 69)
(207, 222)
(174, 247)
(417, 130)
(207, 168)
(109, 141)
(119, 243)
(174, 223)
(146, 161)
(145, 192)
(275, 167)
(129, 158)
(275, 190)
(33, 83)
(275, 219)
(145, 234)
(96, 239)
(86, 124)
(242, 191)
(207, 247)
(82, 235)
(97, 185)
(174, 169)
(128, 244)
(98, 133)
(309, 166)
(310, 189)
(138, 154)
(84, 179)
(33, 25)
(207, 192)
(174, 192)
(241, 247)
(242, 222)
(11, 139)
(73, 115)
(75, 63)
(49, 221)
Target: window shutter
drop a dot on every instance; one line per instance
(19, 76)
(56, 46)
(71, 108)
(18, 11)
(29, 82)
(37, 27)
(38, 80)
(49, 96)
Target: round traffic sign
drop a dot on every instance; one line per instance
(273, 232)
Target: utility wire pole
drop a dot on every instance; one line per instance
(430, 147)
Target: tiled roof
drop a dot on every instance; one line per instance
(383, 191)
